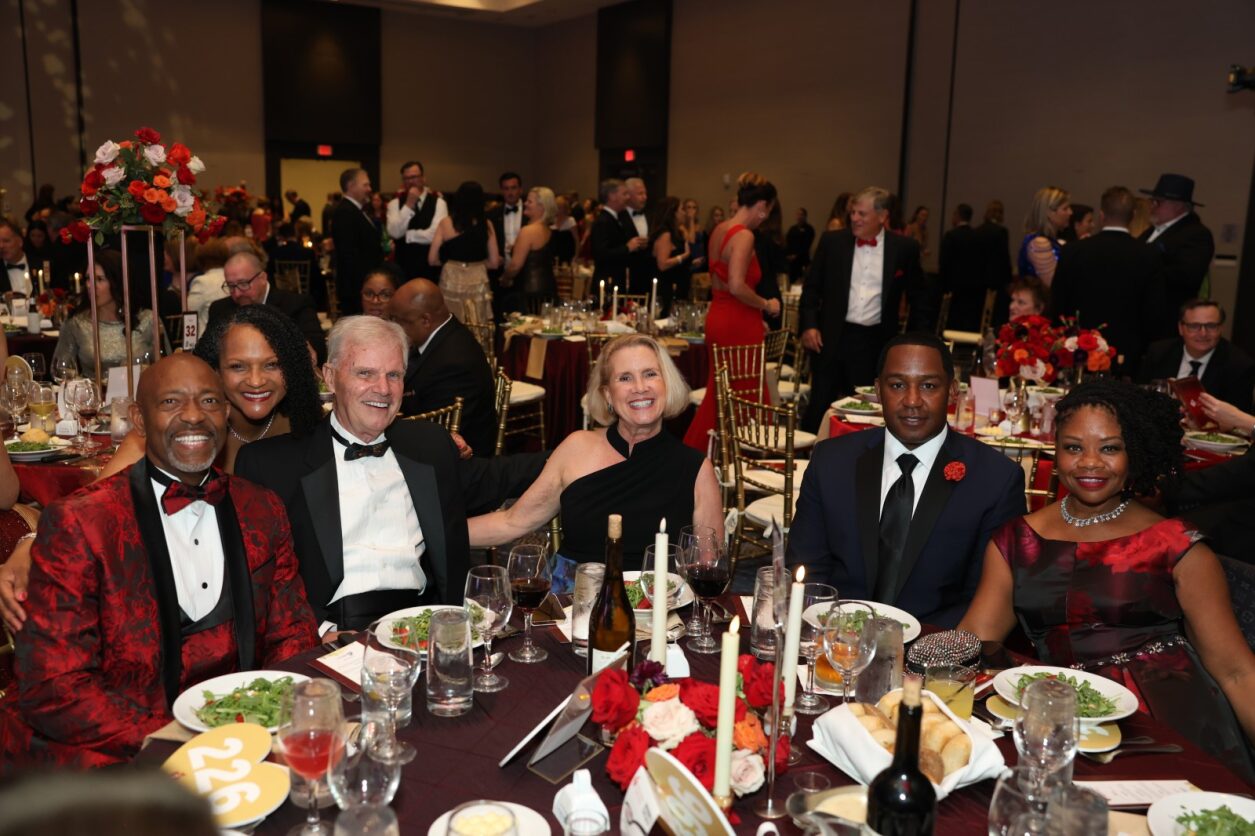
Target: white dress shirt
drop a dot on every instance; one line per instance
(399, 216)
(1163, 227)
(19, 279)
(195, 548)
(890, 472)
(511, 223)
(1184, 369)
(378, 524)
(866, 283)
(640, 222)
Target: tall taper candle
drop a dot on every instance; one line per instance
(792, 640)
(78, 288)
(614, 303)
(653, 301)
(727, 713)
(601, 296)
(658, 627)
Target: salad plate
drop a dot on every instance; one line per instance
(408, 628)
(1214, 442)
(1110, 700)
(187, 708)
(681, 598)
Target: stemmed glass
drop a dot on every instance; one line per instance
(849, 642)
(817, 598)
(488, 602)
(311, 737)
(82, 396)
(689, 537)
(1015, 402)
(14, 394)
(39, 366)
(389, 673)
(528, 568)
(708, 571)
(357, 779)
(42, 401)
(1046, 730)
(64, 368)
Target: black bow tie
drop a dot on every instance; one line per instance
(635, 213)
(511, 209)
(8, 266)
(354, 451)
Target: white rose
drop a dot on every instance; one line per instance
(155, 154)
(113, 175)
(183, 200)
(748, 771)
(195, 165)
(669, 722)
(1070, 343)
(107, 153)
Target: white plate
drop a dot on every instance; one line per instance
(1162, 815)
(383, 631)
(682, 598)
(867, 393)
(910, 624)
(528, 822)
(841, 407)
(57, 446)
(1192, 439)
(1126, 702)
(185, 706)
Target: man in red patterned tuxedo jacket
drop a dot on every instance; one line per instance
(148, 582)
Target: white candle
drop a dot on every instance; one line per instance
(27, 274)
(653, 300)
(658, 627)
(614, 302)
(730, 650)
(792, 640)
(77, 286)
(601, 296)
(40, 273)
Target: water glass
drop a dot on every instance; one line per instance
(815, 600)
(955, 685)
(763, 618)
(588, 580)
(849, 642)
(489, 603)
(388, 674)
(1075, 811)
(357, 779)
(368, 821)
(450, 686)
(884, 673)
(1013, 810)
(586, 823)
(119, 419)
(1046, 729)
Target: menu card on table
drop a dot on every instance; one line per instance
(1135, 794)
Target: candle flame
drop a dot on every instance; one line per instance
(662, 529)
(801, 573)
(735, 625)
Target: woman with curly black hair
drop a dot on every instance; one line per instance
(1100, 581)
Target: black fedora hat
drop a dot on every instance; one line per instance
(1173, 187)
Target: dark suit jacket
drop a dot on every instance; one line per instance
(963, 272)
(358, 250)
(1229, 375)
(300, 209)
(454, 364)
(298, 307)
(609, 239)
(836, 530)
(797, 243)
(444, 491)
(1112, 279)
(1187, 248)
(995, 244)
(1220, 500)
(642, 266)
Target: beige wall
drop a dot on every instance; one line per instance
(562, 127)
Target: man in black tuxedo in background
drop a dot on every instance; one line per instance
(506, 220)
(358, 244)
(641, 264)
(961, 265)
(613, 237)
(797, 246)
(300, 208)
(852, 297)
(445, 361)
(1114, 280)
(995, 243)
(1225, 370)
(412, 219)
(248, 284)
(1186, 245)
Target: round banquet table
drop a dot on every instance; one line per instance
(457, 758)
(20, 344)
(565, 378)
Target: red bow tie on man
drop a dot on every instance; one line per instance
(865, 242)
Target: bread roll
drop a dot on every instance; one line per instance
(858, 709)
(886, 738)
(930, 707)
(872, 722)
(927, 723)
(931, 765)
(956, 753)
(888, 705)
(939, 734)
(35, 436)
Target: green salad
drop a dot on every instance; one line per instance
(1219, 822)
(860, 406)
(1089, 702)
(860, 618)
(257, 702)
(636, 595)
(1216, 438)
(27, 446)
(412, 630)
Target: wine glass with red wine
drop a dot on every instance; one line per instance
(311, 738)
(708, 570)
(528, 569)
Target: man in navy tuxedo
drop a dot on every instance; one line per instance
(902, 515)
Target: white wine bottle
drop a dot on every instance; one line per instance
(611, 623)
(901, 800)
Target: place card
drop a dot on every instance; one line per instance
(1133, 794)
(985, 395)
(641, 807)
(116, 387)
(344, 665)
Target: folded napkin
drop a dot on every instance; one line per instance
(173, 732)
(869, 420)
(839, 737)
(536, 358)
(614, 327)
(575, 338)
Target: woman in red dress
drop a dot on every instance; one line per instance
(736, 310)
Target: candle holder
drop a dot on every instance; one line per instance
(769, 807)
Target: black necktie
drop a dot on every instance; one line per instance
(354, 451)
(895, 523)
(1195, 365)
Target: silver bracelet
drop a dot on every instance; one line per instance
(30, 535)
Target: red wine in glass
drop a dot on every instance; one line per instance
(529, 593)
(309, 752)
(88, 415)
(709, 581)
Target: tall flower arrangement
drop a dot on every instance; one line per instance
(140, 181)
(1082, 348)
(1024, 349)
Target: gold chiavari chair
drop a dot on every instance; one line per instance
(333, 301)
(774, 345)
(746, 370)
(943, 315)
(501, 404)
(292, 276)
(449, 417)
(987, 312)
(594, 343)
(525, 410)
(485, 335)
(788, 315)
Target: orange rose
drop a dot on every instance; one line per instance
(662, 693)
(167, 203)
(109, 206)
(748, 734)
(1098, 362)
(1019, 355)
(126, 143)
(196, 218)
(161, 181)
(152, 195)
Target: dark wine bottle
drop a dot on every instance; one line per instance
(611, 623)
(901, 800)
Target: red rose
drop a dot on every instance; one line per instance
(614, 700)
(746, 664)
(758, 687)
(1087, 341)
(152, 213)
(697, 753)
(136, 188)
(955, 471)
(88, 206)
(79, 231)
(703, 699)
(92, 182)
(148, 136)
(179, 154)
(628, 755)
(185, 175)
(782, 754)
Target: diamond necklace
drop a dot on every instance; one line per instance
(1081, 522)
(244, 440)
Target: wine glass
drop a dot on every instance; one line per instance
(64, 368)
(817, 598)
(39, 366)
(42, 402)
(1046, 730)
(14, 395)
(849, 642)
(528, 568)
(1012, 812)
(708, 571)
(82, 396)
(311, 738)
(388, 674)
(689, 535)
(488, 601)
(1015, 402)
(357, 778)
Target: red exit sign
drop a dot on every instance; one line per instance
(324, 150)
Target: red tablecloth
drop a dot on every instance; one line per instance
(43, 482)
(566, 378)
(457, 758)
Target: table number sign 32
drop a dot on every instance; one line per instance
(227, 766)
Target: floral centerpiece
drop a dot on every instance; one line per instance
(646, 709)
(1082, 348)
(54, 304)
(140, 181)
(1026, 348)
(235, 202)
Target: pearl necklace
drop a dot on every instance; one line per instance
(244, 440)
(1081, 522)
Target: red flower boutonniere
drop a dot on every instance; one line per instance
(955, 471)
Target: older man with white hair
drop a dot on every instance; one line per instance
(246, 282)
(378, 507)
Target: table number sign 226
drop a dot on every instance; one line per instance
(227, 766)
